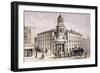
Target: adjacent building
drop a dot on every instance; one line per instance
(85, 43)
(28, 41)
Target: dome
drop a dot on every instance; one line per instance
(60, 17)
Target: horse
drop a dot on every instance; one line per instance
(77, 51)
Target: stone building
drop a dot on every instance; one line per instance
(59, 41)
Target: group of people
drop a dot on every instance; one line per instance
(38, 50)
(75, 52)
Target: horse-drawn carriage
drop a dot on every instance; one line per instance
(77, 51)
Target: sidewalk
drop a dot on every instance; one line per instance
(49, 57)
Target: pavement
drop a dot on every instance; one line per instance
(49, 57)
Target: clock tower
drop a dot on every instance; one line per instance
(60, 37)
(60, 27)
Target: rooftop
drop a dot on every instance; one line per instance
(66, 31)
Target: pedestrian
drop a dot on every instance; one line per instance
(42, 57)
(85, 54)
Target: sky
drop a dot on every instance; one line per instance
(44, 21)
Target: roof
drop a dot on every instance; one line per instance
(73, 32)
(66, 31)
(60, 16)
(53, 30)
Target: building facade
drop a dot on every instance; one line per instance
(85, 43)
(28, 41)
(59, 41)
(44, 40)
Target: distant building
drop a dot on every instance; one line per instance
(85, 44)
(59, 41)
